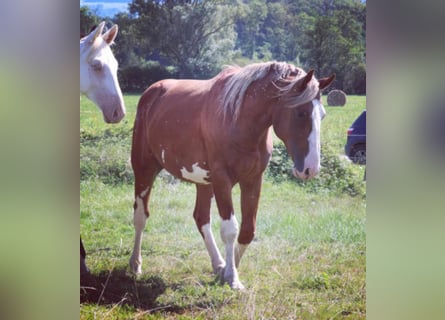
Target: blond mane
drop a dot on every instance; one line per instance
(283, 76)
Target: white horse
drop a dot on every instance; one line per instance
(98, 81)
(98, 73)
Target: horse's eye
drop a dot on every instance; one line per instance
(302, 114)
(96, 65)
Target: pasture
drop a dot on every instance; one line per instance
(307, 260)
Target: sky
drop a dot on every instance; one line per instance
(106, 8)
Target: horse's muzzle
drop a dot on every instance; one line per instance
(115, 117)
(306, 174)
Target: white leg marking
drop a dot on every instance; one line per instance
(218, 263)
(139, 220)
(143, 193)
(229, 231)
(197, 174)
(239, 251)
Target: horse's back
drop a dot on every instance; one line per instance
(174, 93)
(169, 125)
(150, 95)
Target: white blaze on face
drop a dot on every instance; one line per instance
(197, 174)
(312, 160)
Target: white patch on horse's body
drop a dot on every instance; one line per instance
(197, 174)
(218, 263)
(163, 155)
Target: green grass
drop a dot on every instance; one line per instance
(306, 262)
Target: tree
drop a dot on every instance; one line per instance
(127, 49)
(355, 79)
(335, 43)
(283, 29)
(196, 36)
(88, 19)
(249, 22)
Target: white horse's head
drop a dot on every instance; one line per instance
(98, 73)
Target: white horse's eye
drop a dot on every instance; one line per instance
(96, 65)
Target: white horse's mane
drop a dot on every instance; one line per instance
(284, 76)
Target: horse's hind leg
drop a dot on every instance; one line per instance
(144, 177)
(204, 194)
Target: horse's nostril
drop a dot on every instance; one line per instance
(306, 172)
(115, 114)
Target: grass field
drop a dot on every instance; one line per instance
(306, 262)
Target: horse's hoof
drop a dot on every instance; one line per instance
(237, 286)
(219, 270)
(231, 279)
(135, 268)
(136, 271)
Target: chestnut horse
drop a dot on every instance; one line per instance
(216, 133)
(98, 81)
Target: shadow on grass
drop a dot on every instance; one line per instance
(119, 287)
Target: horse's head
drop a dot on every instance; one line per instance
(98, 73)
(297, 119)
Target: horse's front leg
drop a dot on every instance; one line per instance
(222, 188)
(250, 196)
(144, 177)
(204, 194)
(140, 217)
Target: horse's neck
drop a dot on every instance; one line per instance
(253, 125)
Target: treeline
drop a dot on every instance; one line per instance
(195, 39)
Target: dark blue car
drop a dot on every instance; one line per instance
(355, 147)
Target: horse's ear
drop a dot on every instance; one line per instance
(307, 78)
(325, 82)
(111, 34)
(96, 32)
